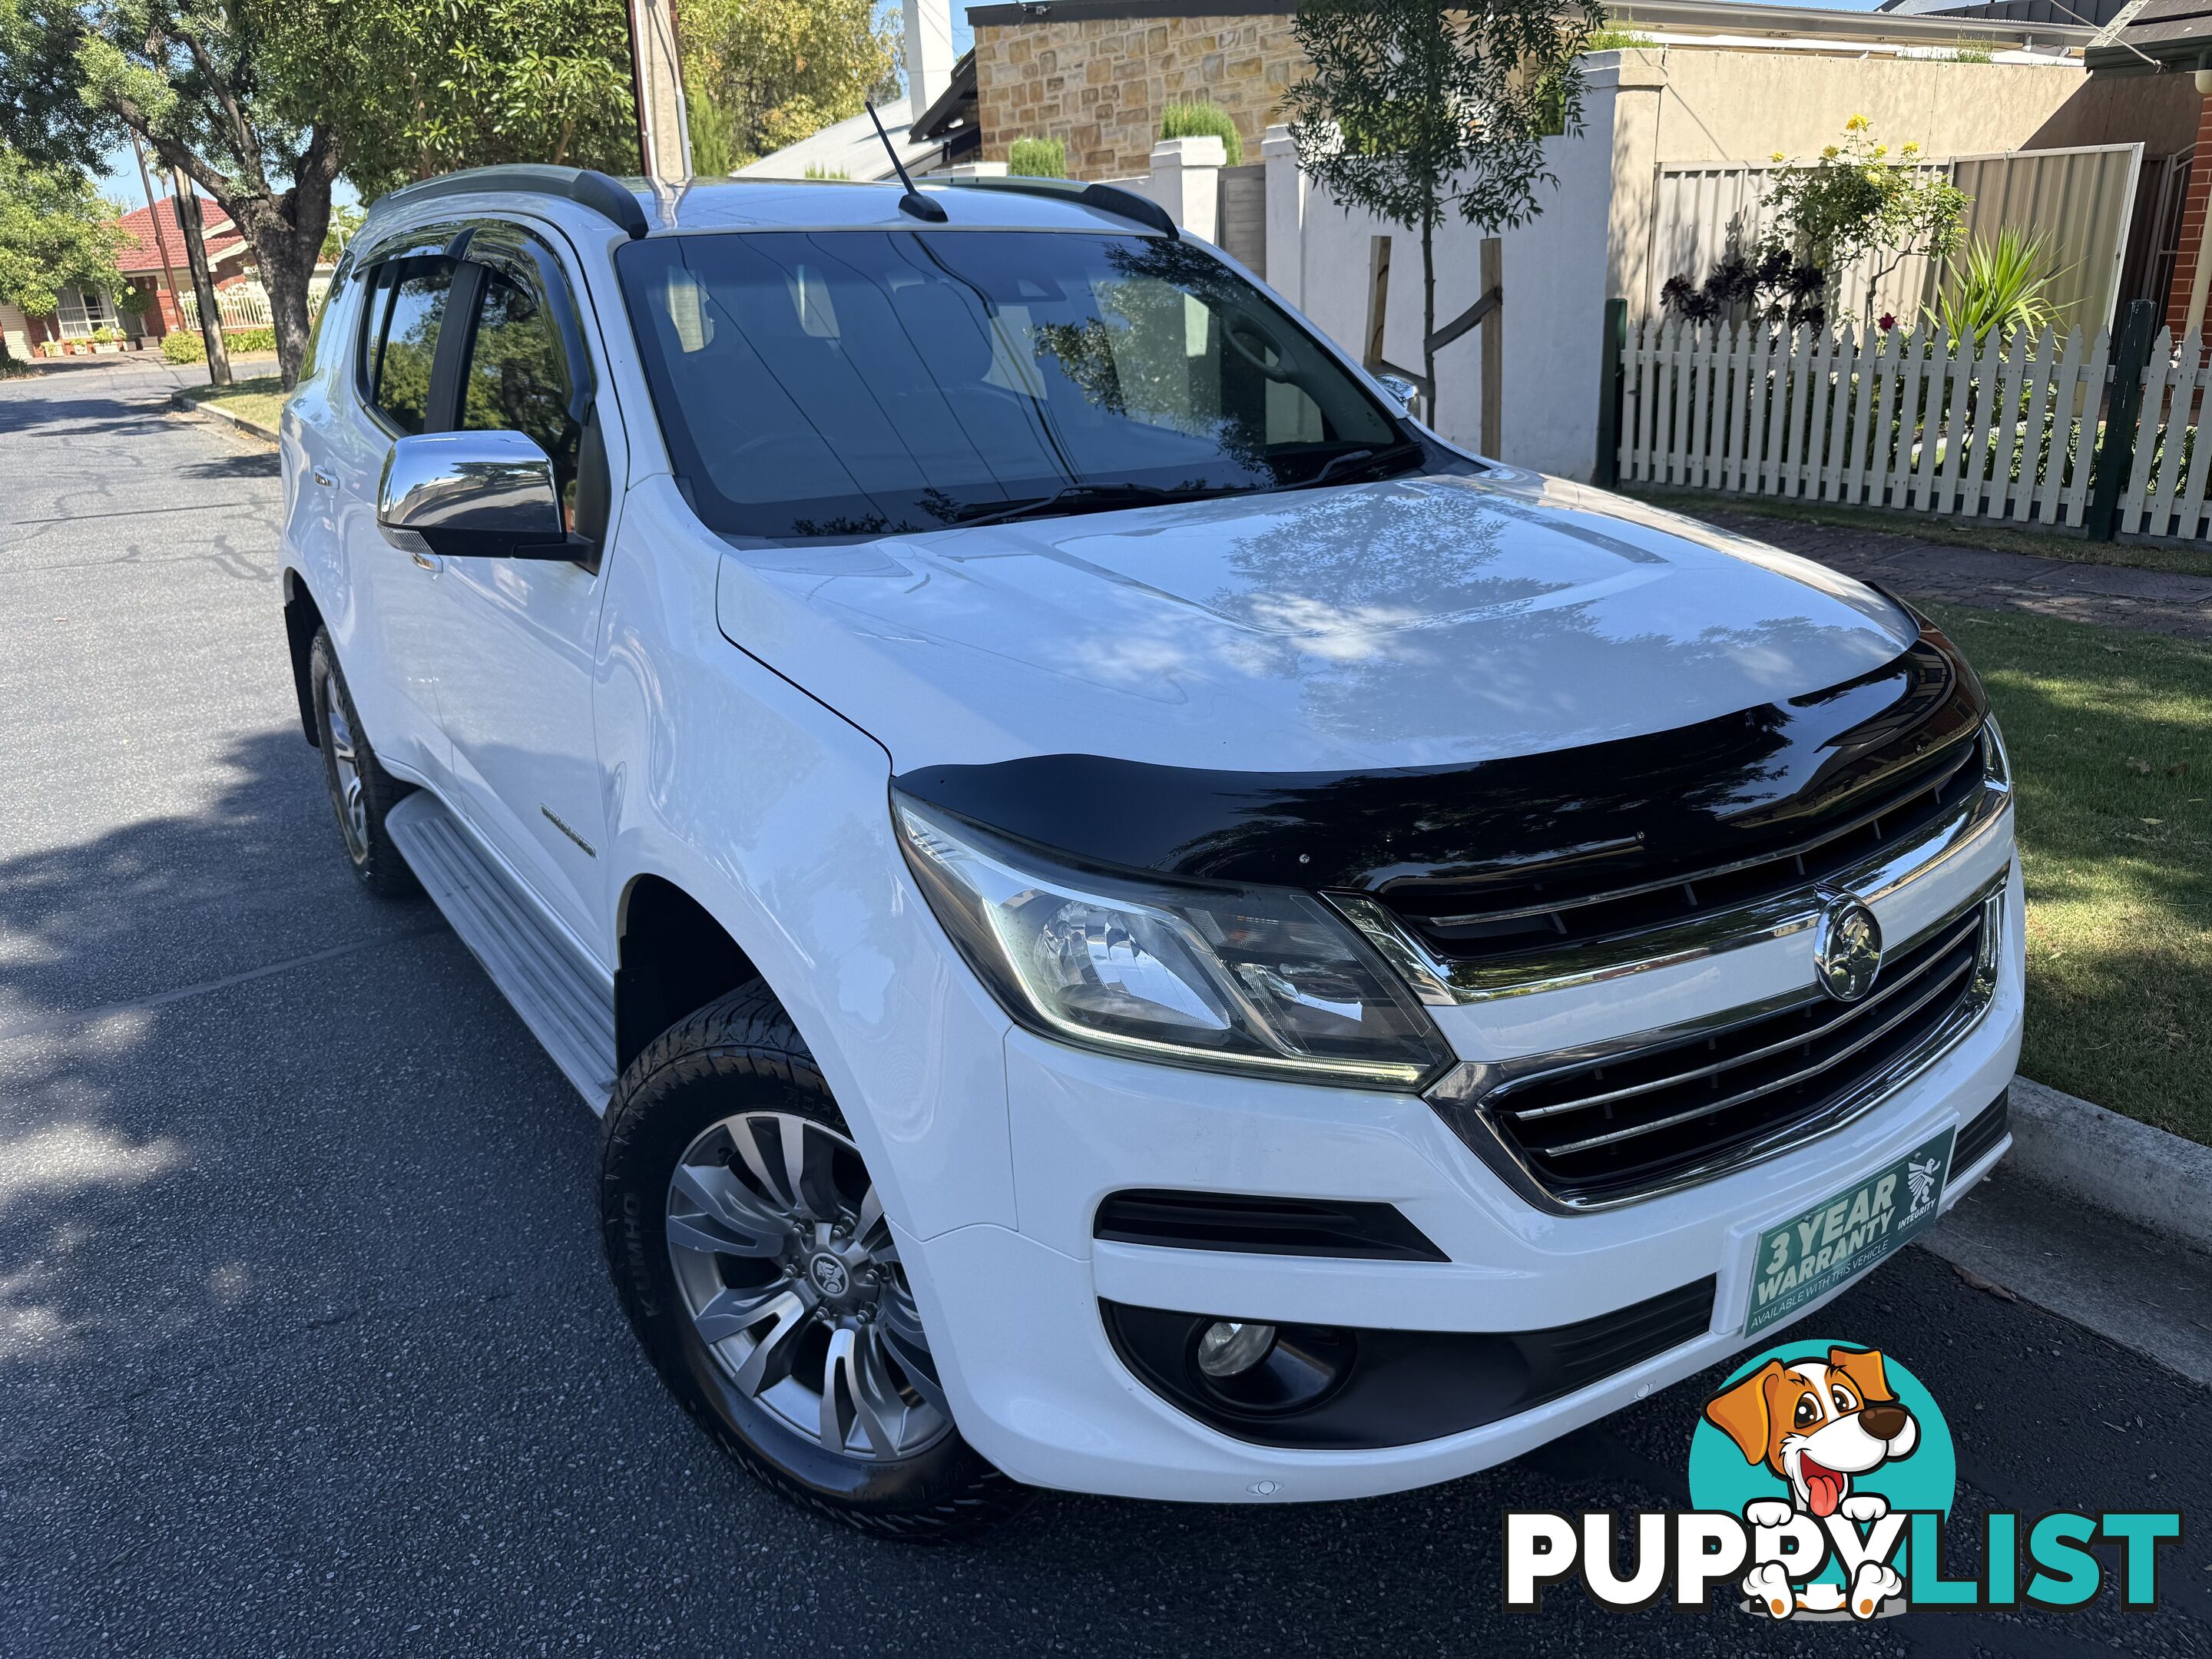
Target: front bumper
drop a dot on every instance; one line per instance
(1014, 1312)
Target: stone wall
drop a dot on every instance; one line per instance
(1100, 85)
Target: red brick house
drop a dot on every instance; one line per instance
(2155, 44)
(155, 245)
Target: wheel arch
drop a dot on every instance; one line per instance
(672, 957)
(303, 618)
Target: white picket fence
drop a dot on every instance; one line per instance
(2165, 496)
(1912, 421)
(245, 305)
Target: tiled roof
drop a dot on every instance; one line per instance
(143, 252)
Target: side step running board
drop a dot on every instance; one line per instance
(567, 1002)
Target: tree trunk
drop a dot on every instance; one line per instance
(1429, 320)
(287, 233)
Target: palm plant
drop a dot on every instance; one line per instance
(2005, 285)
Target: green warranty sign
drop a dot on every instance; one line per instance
(1809, 1256)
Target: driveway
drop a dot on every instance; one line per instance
(306, 1346)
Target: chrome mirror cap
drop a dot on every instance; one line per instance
(1408, 395)
(469, 493)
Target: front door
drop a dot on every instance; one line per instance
(519, 636)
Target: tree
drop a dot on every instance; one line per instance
(1414, 109)
(465, 83)
(775, 71)
(264, 103)
(1857, 200)
(55, 232)
(231, 93)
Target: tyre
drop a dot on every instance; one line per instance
(361, 791)
(752, 1254)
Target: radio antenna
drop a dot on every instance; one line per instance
(913, 201)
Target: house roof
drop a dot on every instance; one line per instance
(955, 105)
(849, 149)
(143, 252)
(2149, 35)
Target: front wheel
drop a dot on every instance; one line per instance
(752, 1254)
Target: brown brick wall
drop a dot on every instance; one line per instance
(2192, 222)
(1100, 85)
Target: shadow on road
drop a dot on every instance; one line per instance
(263, 466)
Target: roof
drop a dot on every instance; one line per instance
(2152, 35)
(767, 204)
(143, 252)
(754, 203)
(848, 150)
(955, 106)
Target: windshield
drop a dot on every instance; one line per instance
(868, 382)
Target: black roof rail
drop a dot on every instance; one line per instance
(606, 197)
(1107, 198)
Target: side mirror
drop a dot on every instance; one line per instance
(472, 495)
(1408, 395)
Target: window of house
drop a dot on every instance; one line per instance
(80, 313)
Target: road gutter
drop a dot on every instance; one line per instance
(2156, 1181)
(2126, 1248)
(184, 402)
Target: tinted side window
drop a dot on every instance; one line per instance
(518, 377)
(406, 341)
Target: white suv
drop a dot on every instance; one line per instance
(1139, 922)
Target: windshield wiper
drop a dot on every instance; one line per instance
(1361, 460)
(1076, 498)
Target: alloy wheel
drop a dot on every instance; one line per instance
(792, 1280)
(345, 774)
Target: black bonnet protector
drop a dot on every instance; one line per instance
(1739, 785)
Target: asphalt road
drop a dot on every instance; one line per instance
(306, 1346)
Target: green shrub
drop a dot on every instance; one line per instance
(1613, 39)
(816, 171)
(184, 345)
(1203, 121)
(1038, 158)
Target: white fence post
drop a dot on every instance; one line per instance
(1186, 181)
(1286, 212)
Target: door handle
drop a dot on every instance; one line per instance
(429, 562)
(323, 479)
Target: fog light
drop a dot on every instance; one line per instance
(1228, 1347)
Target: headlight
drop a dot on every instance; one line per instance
(1245, 979)
(1994, 762)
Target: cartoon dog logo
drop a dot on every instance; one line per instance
(1817, 1423)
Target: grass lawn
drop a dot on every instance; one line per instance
(2111, 739)
(257, 399)
(1968, 533)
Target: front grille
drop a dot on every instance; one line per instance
(1639, 1119)
(1546, 908)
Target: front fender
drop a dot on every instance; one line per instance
(773, 814)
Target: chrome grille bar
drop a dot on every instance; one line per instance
(1844, 1016)
(1746, 1095)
